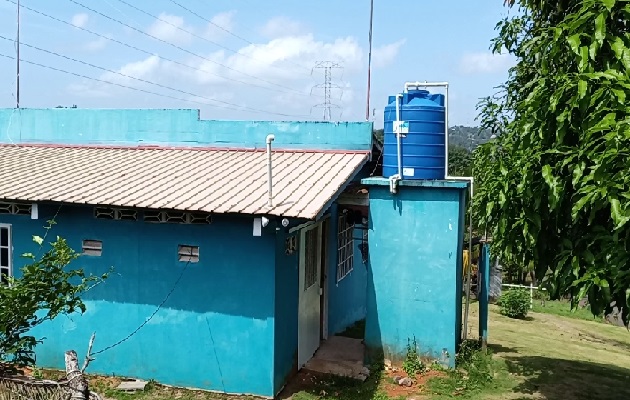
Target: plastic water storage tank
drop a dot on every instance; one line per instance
(423, 147)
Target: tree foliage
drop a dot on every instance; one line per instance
(554, 187)
(45, 290)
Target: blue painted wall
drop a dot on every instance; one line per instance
(218, 326)
(346, 301)
(175, 128)
(286, 309)
(415, 267)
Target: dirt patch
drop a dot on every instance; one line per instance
(418, 388)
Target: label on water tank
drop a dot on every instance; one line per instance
(402, 128)
(408, 172)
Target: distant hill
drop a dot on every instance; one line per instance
(467, 137)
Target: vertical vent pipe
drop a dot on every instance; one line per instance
(270, 138)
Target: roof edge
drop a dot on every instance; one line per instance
(191, 148)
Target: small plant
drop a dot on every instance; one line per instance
(467, 350)
(515, 303)
(412, 364)
(38, 373)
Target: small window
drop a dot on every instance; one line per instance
(345, 247)
(188, 254)
(119, 214)
(15, 208)
(92, 248)
(177, 217)
(6, 269)
(310, 254)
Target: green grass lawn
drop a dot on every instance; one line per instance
(555, 354)
(563, 309)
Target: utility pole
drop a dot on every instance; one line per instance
(369, 77)
(17, 79)
(328, 86)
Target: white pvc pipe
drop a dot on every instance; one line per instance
(424, 84)
(398, 140)
(270, 138)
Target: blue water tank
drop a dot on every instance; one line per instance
(423, 147)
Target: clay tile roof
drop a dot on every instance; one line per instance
(208, 180)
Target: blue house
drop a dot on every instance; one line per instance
(219, 282)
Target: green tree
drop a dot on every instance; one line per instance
(46, 289)
(459, 161)
(555, 184)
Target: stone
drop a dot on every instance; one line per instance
(397, 379)
(388, 363)
(405, 382)
(365, 371)
(132, 385)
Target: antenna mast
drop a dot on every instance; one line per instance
(17, 80)
(367, 108)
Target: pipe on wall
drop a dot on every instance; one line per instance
(395, 178)
(270, 138)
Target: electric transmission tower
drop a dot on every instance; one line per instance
(328, 86)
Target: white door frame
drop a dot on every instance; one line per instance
(9, 246)
(308, 332)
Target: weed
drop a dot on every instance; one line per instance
(38, 373)
(475, 371)
(412, 364)
(515, 303)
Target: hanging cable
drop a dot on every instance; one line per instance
(242, 108)
(193, 34)
(143, 90)
(193, 68)
(287, 89)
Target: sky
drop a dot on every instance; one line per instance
(248, 59)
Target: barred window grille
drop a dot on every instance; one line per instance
(119, 214)
(15, 208)
(177, 217)
(345, 248)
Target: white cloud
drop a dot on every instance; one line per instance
(96, 45)
(80, 20)
(385, 55)
(221, 23)
(485, 63)
(281, 60)
(146, 69)
(169, 28)
(274, 76)
(281, 26)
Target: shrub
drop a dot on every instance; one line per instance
(515, 303)
(45, 290)
(412, 364)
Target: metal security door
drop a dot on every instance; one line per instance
(309, 288)
(6, 269)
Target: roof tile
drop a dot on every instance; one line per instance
(209, 180)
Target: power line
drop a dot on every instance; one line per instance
(222, 28)
(185, 50)
(328, 86)
(139, 49)
(141, 90)
(210, 21)
(243, 108)
(17, 42)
